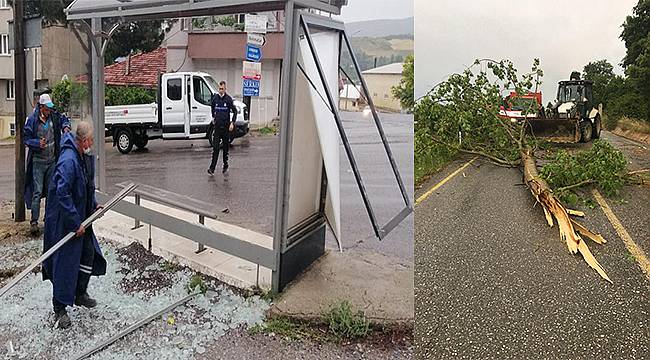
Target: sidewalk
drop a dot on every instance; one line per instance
(379, 285)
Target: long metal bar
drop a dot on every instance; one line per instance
(287, 102)
(339, 125)
(393, 164)
(243, 249)
(98, 104)
(392, 224)
(134, 327)
(20, 71)
(190, 8)
(96, 215)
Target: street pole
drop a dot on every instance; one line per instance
(98, 103)
(20, 81)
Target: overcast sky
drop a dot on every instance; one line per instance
(564, 35)
(360, 10)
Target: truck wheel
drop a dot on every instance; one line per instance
(585, 131)
(124, 141)
(597, 128)
(141, 141)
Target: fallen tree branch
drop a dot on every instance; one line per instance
(553, 208)
(577, 185)
(497, 160)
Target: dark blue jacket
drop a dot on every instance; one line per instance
(71, 200)
(222, 106)
(31, 140)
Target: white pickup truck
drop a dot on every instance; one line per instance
(182, 112)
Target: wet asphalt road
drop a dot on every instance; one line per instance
(249, 191)
(493, 281)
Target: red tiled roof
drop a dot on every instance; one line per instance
(143, 70)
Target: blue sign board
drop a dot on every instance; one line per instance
(251, 87)
(253, 53)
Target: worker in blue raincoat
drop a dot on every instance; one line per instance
(71, 200)
(42, 135)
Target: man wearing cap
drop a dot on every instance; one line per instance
(42, 135)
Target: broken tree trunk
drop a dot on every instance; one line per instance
(570, 230)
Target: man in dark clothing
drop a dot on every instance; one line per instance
(71, 200)
(222, 106)
(42, 135)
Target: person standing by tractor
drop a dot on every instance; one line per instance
(42, 135)
(223, 123)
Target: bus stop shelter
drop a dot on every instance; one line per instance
(312, 49)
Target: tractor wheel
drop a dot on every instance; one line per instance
(585, 131)
(597, 128)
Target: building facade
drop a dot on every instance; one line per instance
(206, 44)
(380, 81)
(60, 54)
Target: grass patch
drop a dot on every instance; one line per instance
(637, 126)
(285, 328)
(196, 284)
(170, 267)
(347, 323)
(267, 131)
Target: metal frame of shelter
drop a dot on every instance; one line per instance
(293, 249)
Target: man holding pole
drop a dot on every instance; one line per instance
(42, 135)
(71, 200)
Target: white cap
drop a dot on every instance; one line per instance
(46, 100)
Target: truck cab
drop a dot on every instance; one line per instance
(182, 112)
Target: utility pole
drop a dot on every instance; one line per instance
(20, 81)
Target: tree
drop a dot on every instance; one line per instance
(404, 91)
(601, 73)
(636, 35)
(133, 37)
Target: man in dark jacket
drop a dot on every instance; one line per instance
(71, 200)
(42, 135)
(222, 106)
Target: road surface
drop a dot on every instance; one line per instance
(493, 281)
(249, 192)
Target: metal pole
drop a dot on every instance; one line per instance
(288, 91)
(98, 103)
(135, 327)
(20, 79)
(201, 246)
(112, 202)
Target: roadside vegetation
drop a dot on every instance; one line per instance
(626, 98)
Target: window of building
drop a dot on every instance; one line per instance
(174, 89)
(385, 96)
(11, 90)
(4, 44)
(4, 4)
(202, 92)
(185, 24)
(12, 129)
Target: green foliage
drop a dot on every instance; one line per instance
(636, 35)
(601, 73)
(267, 131)
(404, 91)
(171, 267)
(140, 36)
(68, 94)
(603, 164)
(128, 95)
(196, 284)
(345, 323)
(429, 156)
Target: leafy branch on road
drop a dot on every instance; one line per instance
(461, 114)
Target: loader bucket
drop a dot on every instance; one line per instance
(555, 130)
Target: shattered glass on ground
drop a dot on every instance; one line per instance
(27, 320)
